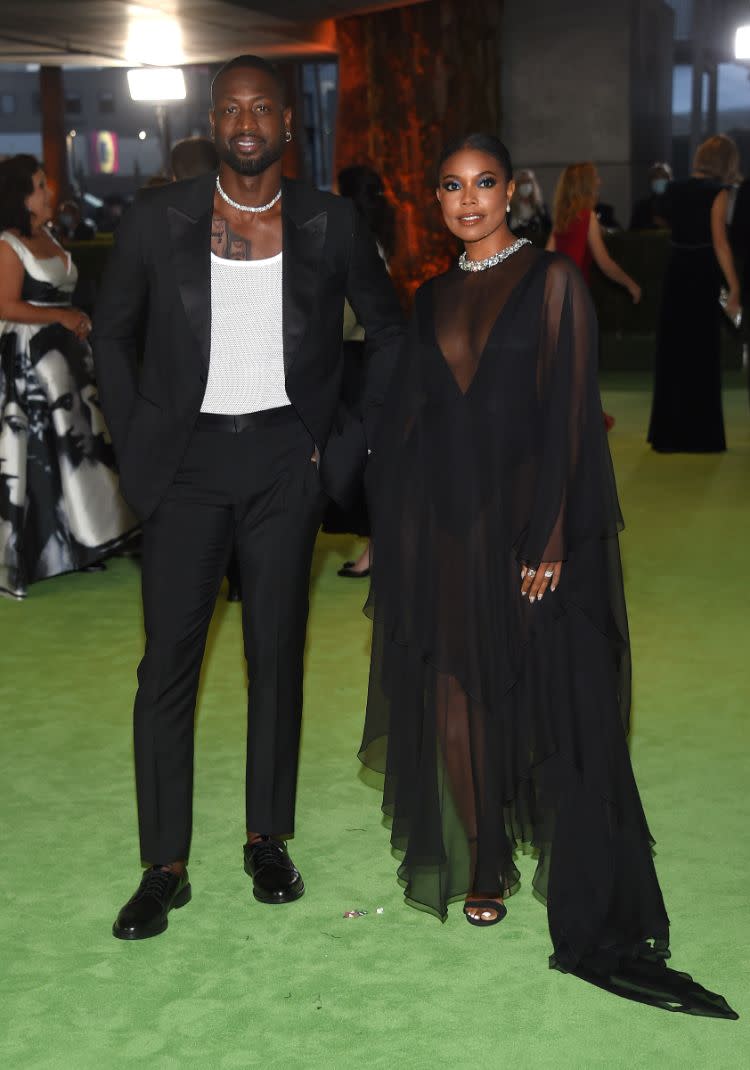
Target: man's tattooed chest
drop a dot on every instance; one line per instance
(228, 243)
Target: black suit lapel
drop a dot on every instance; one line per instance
(304, 233)
(190, 236)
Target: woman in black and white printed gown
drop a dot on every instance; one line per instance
(60, 506)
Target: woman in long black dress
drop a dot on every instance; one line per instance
(687, 415)
(500, 677)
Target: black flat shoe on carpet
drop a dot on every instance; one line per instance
(275, 877)
(145, 914)
(348, 571)
(484, 904)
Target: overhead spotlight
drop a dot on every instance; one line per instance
(72, 133)
(153, 38)
(156, 83)
(742, 43)
(141, 135)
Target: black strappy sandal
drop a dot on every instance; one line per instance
(484, 904)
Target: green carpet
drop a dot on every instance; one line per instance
(235, 984)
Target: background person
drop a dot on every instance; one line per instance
(193, 156)
(529, 217)
(60, 507)
(652, 213)
(70, 224)
(686, 412)
(365, 188)
(740, 239)
(577, 233)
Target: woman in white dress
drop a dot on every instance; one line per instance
(60, 506)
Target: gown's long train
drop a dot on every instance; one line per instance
(496, 722)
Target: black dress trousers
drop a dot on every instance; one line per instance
(256, 491)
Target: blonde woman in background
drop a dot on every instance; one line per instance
(686, 415)
(576, 232)
(529, 217)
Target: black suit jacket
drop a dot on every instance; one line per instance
(152, 330)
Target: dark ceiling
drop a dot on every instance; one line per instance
(163, 32)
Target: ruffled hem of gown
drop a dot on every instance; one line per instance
(606, 913)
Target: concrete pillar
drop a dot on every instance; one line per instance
(698, 36)
(593, 86)
(712, 118)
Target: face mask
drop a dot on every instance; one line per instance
(525, 189)
(659, 185)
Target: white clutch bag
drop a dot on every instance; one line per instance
(723, 298)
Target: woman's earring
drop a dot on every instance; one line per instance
(288, 135)
(507, 207)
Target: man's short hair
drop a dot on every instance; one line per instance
(193, 156)
(252, 63)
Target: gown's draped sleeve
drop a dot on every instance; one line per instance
(574, 496)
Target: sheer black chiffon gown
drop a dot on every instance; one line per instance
(498, 723)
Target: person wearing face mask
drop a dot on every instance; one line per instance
(652, 213)
(529, 217)
(60, 506)
(71, 226)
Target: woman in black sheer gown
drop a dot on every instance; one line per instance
(686, 414)
(500, 678)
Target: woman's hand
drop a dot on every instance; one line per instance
(635, 292)
(733, 306)
(534, 582)
(76, 322)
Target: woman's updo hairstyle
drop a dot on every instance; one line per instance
(480, 142)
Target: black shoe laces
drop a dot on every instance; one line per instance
(267, 853)
(155, 882)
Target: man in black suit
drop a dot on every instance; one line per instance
(217, 344)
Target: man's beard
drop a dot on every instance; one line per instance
(255, 166)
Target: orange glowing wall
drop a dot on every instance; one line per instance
(410, 79)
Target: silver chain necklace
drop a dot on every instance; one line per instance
(497, 258)
(245, 207)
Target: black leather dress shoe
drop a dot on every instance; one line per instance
(145, 914)
(275, 877)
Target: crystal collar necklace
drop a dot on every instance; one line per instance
(245, 207)
(497, 258)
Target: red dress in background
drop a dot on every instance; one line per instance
(574, 242)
